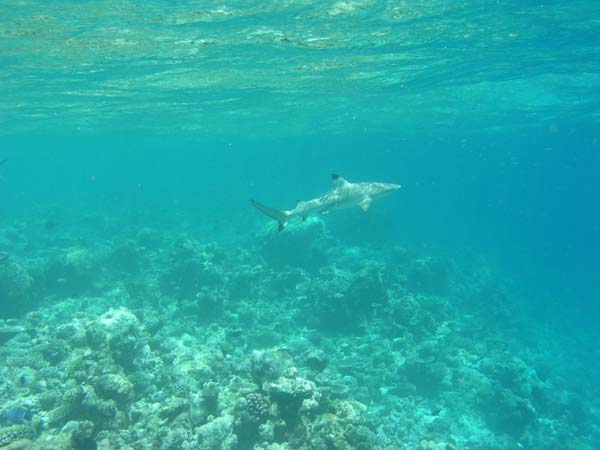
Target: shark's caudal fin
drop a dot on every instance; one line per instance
(280, 216)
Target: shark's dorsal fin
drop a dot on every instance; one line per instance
(337, 180)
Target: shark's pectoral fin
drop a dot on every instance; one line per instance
(365, 204)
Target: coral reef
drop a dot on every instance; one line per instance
(16, 287)
(292, 342)
(304, 245)
(72, 271)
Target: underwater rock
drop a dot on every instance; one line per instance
(73, 272)
(266, 432)
(418, 315)
(427, 444)
(95, 408)
(218, 434)
(403, 389)
(83, 402)
(210, 397)
(16, 287)
(350, 411)
(404, 311)
(82, 437)
(429, 377)
(128, 258)
(301, 244)
(205, 305)
(158, 376)
(256, 407)
(289, 395)
(246, 281)
(272, 446)
(149, 238)
(174, 407)
(344, 301)
(268, 365)
(510, 373)
(343, 428)
(508, 413)
(250, 412)
(21, 444)
(13, 433)
(428, 276)
(510, 401)
(192, 267)
(122, 331)
(54, 350)
(48, 400)
(115, 387)
(7, 332)
(316, 360)
(367, 291)
(173, 438)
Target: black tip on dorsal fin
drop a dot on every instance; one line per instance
(334, 176)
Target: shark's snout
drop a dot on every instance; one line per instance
(388, 188)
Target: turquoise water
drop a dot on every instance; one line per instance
(145, 304)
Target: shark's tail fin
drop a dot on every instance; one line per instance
(280, 216)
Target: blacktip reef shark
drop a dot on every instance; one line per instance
(343, 194)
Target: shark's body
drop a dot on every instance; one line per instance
(343, 194)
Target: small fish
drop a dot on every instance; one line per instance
(436, 411)
(16, 416)
(50, 225)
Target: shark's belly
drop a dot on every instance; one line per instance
(333, 202)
